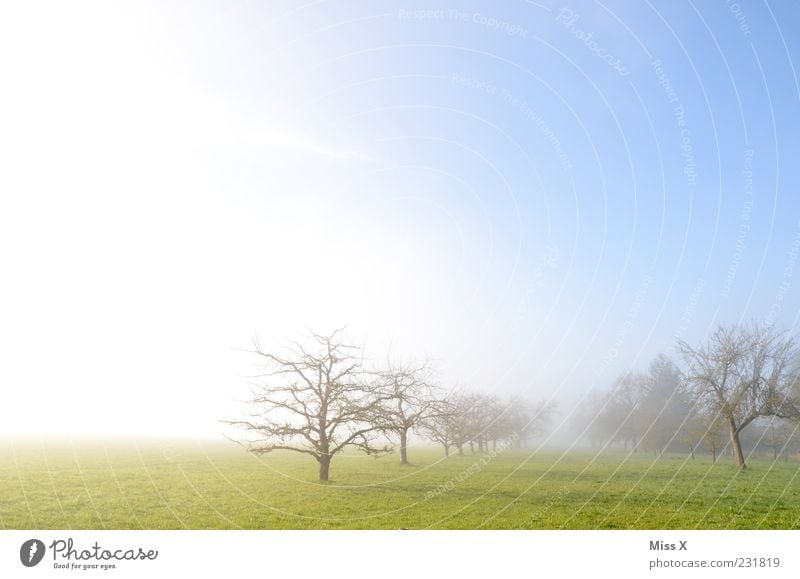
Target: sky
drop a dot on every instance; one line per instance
(537, 196)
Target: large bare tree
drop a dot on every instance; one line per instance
(743, 372)
(315, 399)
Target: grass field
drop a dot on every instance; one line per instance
(211, 486)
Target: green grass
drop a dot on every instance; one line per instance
(126, 485)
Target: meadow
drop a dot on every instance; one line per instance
(210, 485)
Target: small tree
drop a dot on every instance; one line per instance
(314, 402)
(525, 419)
(410, 399)
(777, 436)
(713, 434)
(618, 419)
(585, 419)
(448, 423)
(480, 413)
(664, 407)
(692, 427)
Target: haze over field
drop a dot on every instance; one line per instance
(538, 197)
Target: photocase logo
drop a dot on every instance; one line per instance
(31, 552)
(68, 555)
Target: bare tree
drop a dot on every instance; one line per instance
(481, 421)
(448, 423)
(713, 431)
(525, 419)
(777, 435)
(741, 373)
(440, 427)
(480, 413)
(314, 402)
(410, 399)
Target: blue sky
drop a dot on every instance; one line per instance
(538, 195)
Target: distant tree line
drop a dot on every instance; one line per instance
(738, 389)
(320, 397)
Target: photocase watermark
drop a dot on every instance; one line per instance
(741, 19)
(471, 470)
(688, 312)
(65, 555)
(627, 325)
(456, 15)
(547, 132)
(547, 261)
(422, 14)
(544, 508)
(687, 151)
(569, 18)
(744, 224)
(31, 552)
(523, 107)
(786, 282)
(475, 84)
(170, 453)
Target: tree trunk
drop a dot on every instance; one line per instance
(737, 446)
(471, 447)
(773, 444)
(324, 466)
(691, 450)
(404, 446)
(714, 454)
(460, 449)
(446, 450)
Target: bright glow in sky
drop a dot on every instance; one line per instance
(538, 197)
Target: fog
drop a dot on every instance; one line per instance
(178, 181)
